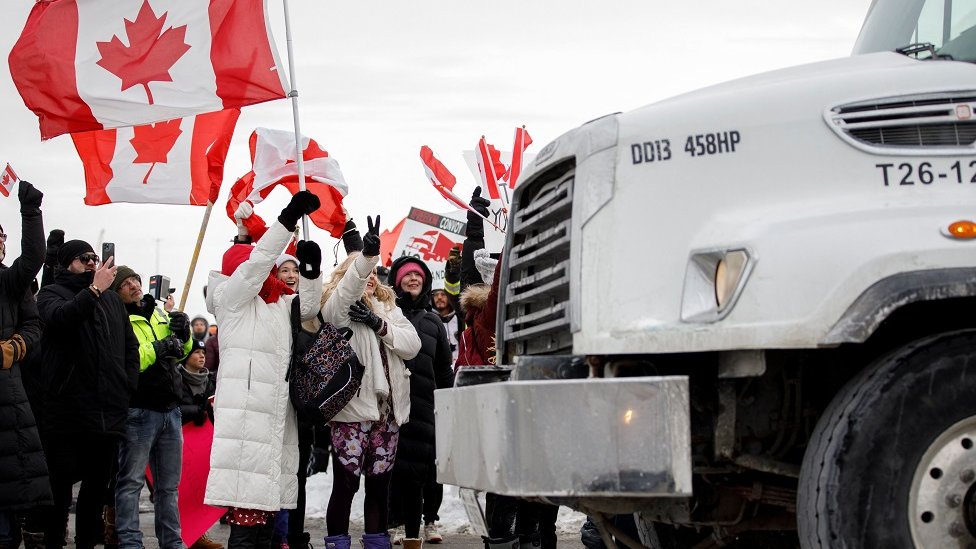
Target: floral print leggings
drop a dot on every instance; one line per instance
(368, 446)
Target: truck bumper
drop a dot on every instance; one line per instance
(627, 437)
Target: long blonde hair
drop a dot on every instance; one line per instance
(383, 293)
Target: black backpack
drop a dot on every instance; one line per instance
(324, 373)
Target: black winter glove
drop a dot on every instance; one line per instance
(476, 223)
(359, 312)
(351, 240)
(30, 198)
(371, 240)
(147, 306)
(202, 403)
(168, 347)
(54, 241)
(302, 203)
(179, 324)
(309, 257)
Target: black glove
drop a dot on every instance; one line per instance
(452, 270)
(168, 347)
(309, 257)
(202, 403)
(147, 306)
(359, 312)
(476, 223)
(302, 203)
(30, 198)
(54, 241)
(351, 240)
(179, 324)
(371, 240)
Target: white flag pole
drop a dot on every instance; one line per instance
(294, 111)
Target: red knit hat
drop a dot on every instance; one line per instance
(233, 257)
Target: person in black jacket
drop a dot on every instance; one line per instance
(429, 370)
(23, 470)
(90, 365)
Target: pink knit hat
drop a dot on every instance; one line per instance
(409, 267)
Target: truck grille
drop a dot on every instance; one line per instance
(918, 122)
(535, 300)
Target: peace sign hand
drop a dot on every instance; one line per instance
(371, 240)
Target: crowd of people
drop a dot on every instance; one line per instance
(99, 378)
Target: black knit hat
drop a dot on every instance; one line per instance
(72, 249)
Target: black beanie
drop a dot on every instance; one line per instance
(72, 249)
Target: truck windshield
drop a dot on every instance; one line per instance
(948, 25)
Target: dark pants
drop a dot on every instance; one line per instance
(296, 516)
(407, 500)
(433, 496)
(344, 487)
(537, 517)
(500, 514)
(70, 459)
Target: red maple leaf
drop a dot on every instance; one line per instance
(150, 54)
(153, 142)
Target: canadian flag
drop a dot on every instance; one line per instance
(84, 65)
(7, 180)
(442, 179)
(491, 167)
(179, 161)
(273, 164)
(522, 142)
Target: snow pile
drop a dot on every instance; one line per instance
(454, 520)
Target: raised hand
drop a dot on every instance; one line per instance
(309, 257)
(105, 275)
(371, 240)
(359, 312)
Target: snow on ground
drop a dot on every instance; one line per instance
(454, 520)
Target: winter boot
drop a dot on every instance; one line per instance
(376, 541)
(301, 541)
(507, 542)
(412, 543)
(338, 542)
(33, 540)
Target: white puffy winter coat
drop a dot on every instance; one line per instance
(254, 459)
(401, 342)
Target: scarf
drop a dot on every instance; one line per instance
(196, 382)
(73, 281)
(271, 290)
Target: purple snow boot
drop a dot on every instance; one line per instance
(376, 541)
(338, 542)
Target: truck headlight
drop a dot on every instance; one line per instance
(713, 282)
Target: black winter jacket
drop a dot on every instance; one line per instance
(90, 360)
(23, 469)
(430, 369)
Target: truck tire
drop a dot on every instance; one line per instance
(891, 463)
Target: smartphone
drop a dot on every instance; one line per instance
(108, 250)
(159, 287)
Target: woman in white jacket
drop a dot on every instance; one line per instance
(254, 458)
(365, 432)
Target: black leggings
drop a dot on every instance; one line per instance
(344, 487)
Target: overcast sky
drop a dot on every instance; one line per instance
(379, 79)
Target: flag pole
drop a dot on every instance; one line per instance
(196, 255)
(293, 94)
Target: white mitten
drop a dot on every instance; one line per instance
(244, 211)
(485, 265)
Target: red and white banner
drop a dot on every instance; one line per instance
(7, 180)
(522, 142)
(97, 64)
(179, 161)
(491, 168)
(273, 164)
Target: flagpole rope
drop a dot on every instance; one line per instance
(293, 94)
(196, 255)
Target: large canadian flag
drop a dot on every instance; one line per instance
(179, 161)
(84, 65)
(273, 162)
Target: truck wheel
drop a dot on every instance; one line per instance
(892, 464)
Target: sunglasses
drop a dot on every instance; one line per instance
(85, 258)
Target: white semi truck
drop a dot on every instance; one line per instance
(747, 314)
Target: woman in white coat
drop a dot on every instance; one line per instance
(365, 432)
(254, 458)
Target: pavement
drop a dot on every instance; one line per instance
(315, 526)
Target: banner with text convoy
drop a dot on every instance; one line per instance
(430, 237)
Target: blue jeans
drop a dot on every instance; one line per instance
(154, 439)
